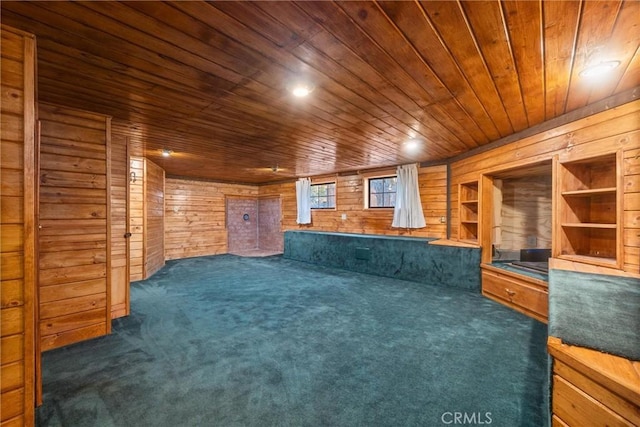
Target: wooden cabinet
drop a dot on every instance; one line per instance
(527, 295)
(75, 219)
(589, 209)
(468, 208)
(593, 388)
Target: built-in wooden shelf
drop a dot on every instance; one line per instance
(591, 259)
(590, 192)
(468, 206)
(589, 225)
(588, 217)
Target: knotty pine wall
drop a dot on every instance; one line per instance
(17, 228)
(195, 216)
(597, 134)
(350, 201)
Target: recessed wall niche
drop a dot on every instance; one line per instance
(522, 211)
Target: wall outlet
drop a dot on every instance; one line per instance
(343, 216)
(443, 219)
(532, 241)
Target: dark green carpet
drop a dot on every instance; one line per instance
(230, 341)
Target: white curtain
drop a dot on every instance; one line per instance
(303, 198)
(408, 209)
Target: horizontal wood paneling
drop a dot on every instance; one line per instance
(75, 234)
(153, 219)
(350, 201)
(195, 222)
(598, 134)
(17, 227)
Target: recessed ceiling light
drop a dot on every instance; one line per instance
(411, 145)
(166, 153)
(302, 90)
(599, 69)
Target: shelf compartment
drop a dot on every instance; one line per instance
(468, 208)
(590, 174)
(590, 208)
(589, 243)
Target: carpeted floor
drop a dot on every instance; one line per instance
(234, 341)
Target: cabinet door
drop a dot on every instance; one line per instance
(74, 242)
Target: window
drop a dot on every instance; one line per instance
(323, 196)
(382, 192)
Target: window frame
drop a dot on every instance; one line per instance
(368, 190)
(335, 195)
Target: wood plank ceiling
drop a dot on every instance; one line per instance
(211, 81)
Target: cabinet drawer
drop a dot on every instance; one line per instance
(576, 408)
(518, 293)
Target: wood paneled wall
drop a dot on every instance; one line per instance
(597, 134)
(195, 216)
(119, 227)
(153, 218)
(136, 218)
(17, 228)
(350, 201)
(525, 214)
(75, 221)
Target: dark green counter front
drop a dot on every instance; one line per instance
(406, 258)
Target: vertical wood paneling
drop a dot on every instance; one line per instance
(602, 133)
(119, 226)
(136, 218)
(75, 243)
(350, 201)
(195, 222)
(153, 219)
(17, 228)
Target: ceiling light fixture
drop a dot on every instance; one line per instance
(301, 90)
(411, 145)
(599, 69)
(166, 153)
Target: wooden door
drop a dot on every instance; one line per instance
(153, 219)
(270, 236)
(74, 242)
(136, 218)
(119, 226)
